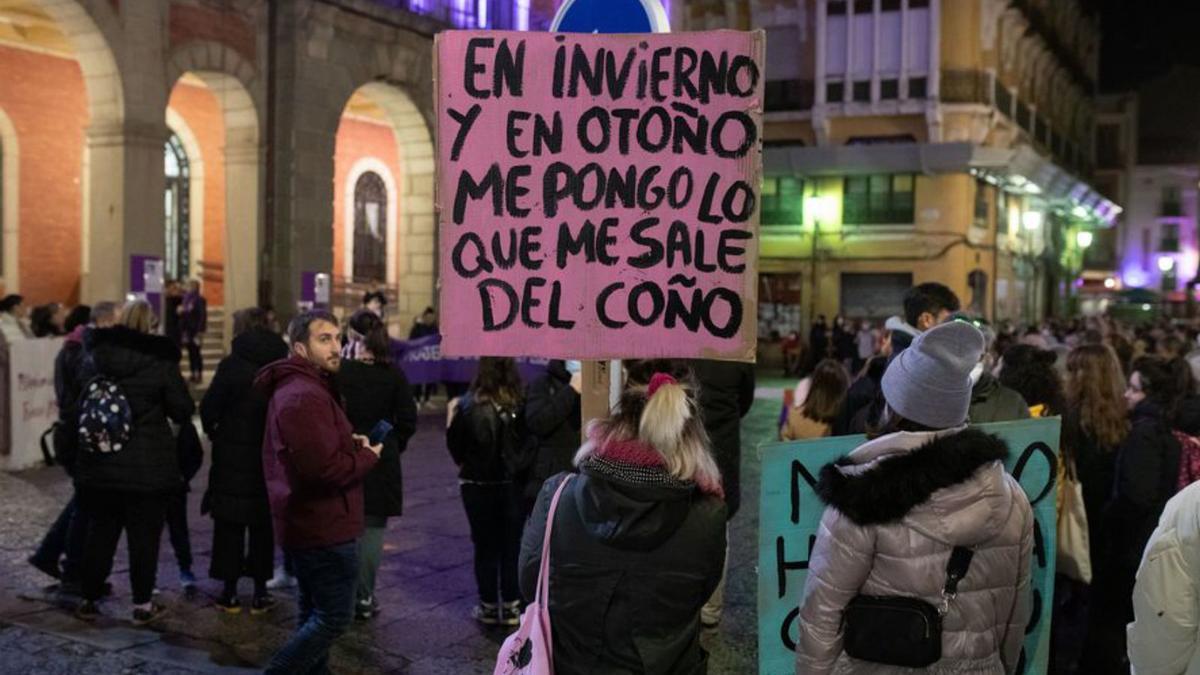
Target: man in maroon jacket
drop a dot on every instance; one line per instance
(314, 465)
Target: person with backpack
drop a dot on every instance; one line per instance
(485, 433)
(637, 543)
(922, 527)
(376, 392)
(234, 416)
(128, 464)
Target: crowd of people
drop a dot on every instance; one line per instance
(1129, 399)
(307, 430)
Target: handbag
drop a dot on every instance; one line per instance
(1074, 557)
(901, 631)
(530, 650)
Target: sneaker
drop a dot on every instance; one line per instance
(87, 611)
(143, 616)
(229, 604)
(281, 580)
(510, 613)
(366, 610)
(262, 604)
(188, 581)
(49, 568)
(486, 613)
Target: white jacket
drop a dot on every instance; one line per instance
(1166, 599)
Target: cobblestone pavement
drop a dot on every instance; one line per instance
(426, 588)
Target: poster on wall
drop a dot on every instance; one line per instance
(598, 193)
(790, 512)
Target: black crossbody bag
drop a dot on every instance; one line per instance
(901, 631)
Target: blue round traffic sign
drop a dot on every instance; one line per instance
(611, 16)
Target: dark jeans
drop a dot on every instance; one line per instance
(195, 358)
(140, 514)
(495, 515)
(232, 560)
(177, 527)
(54, 543)
(327, 578)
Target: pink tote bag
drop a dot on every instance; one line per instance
(530, 650)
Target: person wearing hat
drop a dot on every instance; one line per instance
(899, 505)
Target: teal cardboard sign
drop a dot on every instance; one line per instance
(791, 511)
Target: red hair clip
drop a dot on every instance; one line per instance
(657, 380)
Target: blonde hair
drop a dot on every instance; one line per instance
(138, 315)
(669, 422)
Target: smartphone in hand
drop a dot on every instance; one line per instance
(380, 432)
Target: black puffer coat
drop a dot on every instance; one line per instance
(146, 368)
(726, 394)
(552, 413)
(632, 562)
(234, 415)
(374, 392)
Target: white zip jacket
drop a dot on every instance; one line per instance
(1166, 599)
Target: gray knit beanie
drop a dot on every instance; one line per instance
(930, 382)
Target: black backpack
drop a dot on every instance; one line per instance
(518, 445)
(105, 417)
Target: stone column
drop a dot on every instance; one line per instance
(124, 205)
(242, 230)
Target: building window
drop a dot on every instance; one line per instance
(1024, 116)
(835, 91)
(918, 4)
(1170, 279)
(889, 89)
(981, 205)
(782, 200)
(176, 209)
(889, 6)
(1003, 97)
(878, 200)
(864, 6)
(370, 228)
(1172, 206)
(1170, 238)
(836, 8)
(1108, 144)
(862, 91)
(916, 87)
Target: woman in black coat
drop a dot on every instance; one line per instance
(128, 488)
(234, 416)
(1147, 468)
(552, 414)
(636, 546)
(373, 391)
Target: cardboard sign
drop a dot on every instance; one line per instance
(791, 511)
(598, 194)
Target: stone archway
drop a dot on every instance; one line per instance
(238, 89)
(416, 224)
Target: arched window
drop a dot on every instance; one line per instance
(175, 208)
(370, 228)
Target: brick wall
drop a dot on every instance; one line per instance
(44, 97)
(357, 138)
(201, 23)
(200, 111)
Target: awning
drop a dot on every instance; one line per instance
(1020, 169)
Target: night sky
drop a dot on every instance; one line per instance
(1144, 38)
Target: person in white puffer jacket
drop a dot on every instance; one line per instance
(1165, 633)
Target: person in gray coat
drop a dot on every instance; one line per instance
(899, 504)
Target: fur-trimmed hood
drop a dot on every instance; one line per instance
(949, 485)
(119, 351)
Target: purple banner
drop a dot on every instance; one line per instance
(422, 362)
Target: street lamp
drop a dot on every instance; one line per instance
(1031, 219)
(821, 208)
(1165, 263)
(1083, 238)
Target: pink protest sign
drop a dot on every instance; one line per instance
(598, 194)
